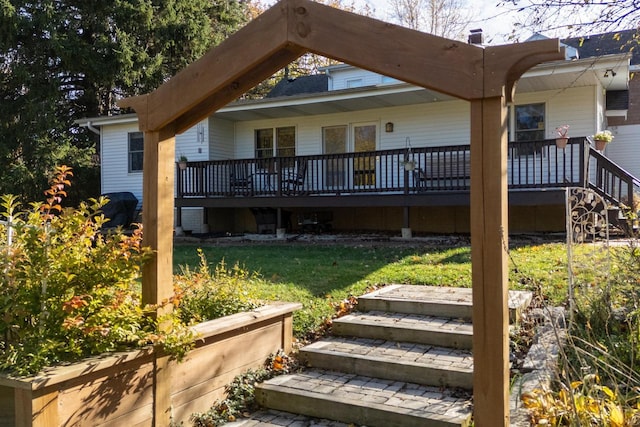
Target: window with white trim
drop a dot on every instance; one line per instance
(272, 142)
(528, 127)
(136, 151)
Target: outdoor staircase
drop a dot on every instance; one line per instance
(403, 360)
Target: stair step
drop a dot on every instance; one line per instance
(399, 361)
(434, 301)
(364, 400)
(273, 418)
(414, 328)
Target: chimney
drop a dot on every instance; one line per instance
(476, 37)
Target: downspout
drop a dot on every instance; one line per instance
(92, 128)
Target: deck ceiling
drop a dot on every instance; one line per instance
(554, 76)
(340, 101)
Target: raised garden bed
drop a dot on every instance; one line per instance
(128, 388)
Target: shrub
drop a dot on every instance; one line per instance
(599, 374)
(204, 295)
(67, 291)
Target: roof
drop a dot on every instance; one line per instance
(608, 43)
(314, 83)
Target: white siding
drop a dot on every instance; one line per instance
(114, 156)
(193, 219)
(115, 175)
(624, 150)
(575, 107)
(338, 79)
(221, 137)
(445, 123)
(193, 142)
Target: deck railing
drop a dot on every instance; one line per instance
(616, 185)
(536, 164)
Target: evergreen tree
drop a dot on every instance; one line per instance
(61, 60)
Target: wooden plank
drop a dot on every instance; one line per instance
(291, 28)
(157, 274)
(252, 76)
(505, 64)
(489, 234)
(287, 333)
(43, 409)
(117, 394)
(157, 217)
(163, 372)
(23, 407)
(7, 407)
(245, 319)
(448, 66)
(205, 363)
(202, 397)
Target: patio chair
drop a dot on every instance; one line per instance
(420, 179)
(293, 181)
(240, 180)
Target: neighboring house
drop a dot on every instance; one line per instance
(372, 153)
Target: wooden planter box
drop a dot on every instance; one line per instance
(137, 388)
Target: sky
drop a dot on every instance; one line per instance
(496, 22)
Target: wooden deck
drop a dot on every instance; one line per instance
(538, 173)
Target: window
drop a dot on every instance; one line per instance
(529, 126)
(136, 151)
(284, 146)
(264, 143)
(286, 142)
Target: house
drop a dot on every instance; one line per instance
(368, 152)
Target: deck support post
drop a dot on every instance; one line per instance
(406, 228)
(489, 233)
(157, 273)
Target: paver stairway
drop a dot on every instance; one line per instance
(403, 360)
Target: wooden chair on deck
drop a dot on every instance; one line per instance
(293, 182)
(241, 179)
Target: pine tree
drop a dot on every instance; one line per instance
(61, 60)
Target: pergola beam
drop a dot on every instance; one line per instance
(486, 77)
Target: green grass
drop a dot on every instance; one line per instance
(319, 276)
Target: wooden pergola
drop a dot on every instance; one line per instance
(485, 77)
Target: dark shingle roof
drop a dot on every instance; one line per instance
(607, 44)
(304, 84)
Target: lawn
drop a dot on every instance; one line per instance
(320, 276)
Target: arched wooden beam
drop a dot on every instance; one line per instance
(224, 73)
(504, 65)
(294, 27)
(447, 66)
(290, 29)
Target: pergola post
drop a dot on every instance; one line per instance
(485, 77)
(157, 274)
(489, 234)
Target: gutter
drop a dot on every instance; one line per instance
(92, 128)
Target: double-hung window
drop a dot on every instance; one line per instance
(136, 151)
(529, 126)
(270, 142)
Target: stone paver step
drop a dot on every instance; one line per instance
(400, 361)
(272, 418)
(434, 301)
(361, 400)
(414, 328)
